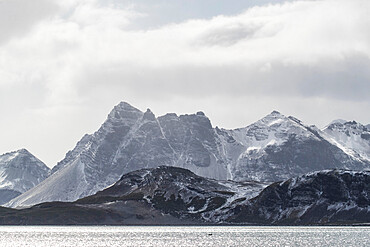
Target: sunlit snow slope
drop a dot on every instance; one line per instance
(19, 172)
(352, 137)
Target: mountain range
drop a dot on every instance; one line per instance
(272, 149)
(176, 196)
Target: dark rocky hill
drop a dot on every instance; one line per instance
(320, 198)
(175, 196)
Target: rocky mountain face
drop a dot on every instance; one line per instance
(279, 147)
(19, 172)
(326, 197)
(170, 195)
(130, 140)
(352, 137)
(274, 148)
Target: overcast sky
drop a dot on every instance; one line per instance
(65, 64)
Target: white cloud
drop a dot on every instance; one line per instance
(17, 17)
(71, 63)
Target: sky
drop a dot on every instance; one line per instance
(65, 64)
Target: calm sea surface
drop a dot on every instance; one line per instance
(183, 236)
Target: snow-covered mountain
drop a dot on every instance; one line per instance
(352, 137)
(280, 147)
(274, 148)
(19, 172)
(130, 140)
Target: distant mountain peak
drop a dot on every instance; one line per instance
(273, 118)
(274, 112)
(13, 154)
(120, 110)
(126, 106)
(23, 151)
(19, 172)
(338, 121)
(276, 117)
(353, 122)
(149, 115)
(121, 114)
(353, 137)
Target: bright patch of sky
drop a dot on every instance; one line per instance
(162, 12)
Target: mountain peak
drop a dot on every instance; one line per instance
(273, 116)
(335, 122)
(352, 122)
(20, 171)
(344, 124)
(341, 121)
(123, 111)
(149, 115)
(274, 112)
(23, 151)
(124, 106)
(13, 154)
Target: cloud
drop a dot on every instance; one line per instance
(71, 61)
(19, 16)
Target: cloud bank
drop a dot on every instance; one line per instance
(64, 65)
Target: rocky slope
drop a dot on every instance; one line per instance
(352, 137)
(274, 148)
(326, 197)
(164, 195)
(169, 195)
(19, 172)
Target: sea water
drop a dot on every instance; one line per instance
(183, 236)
